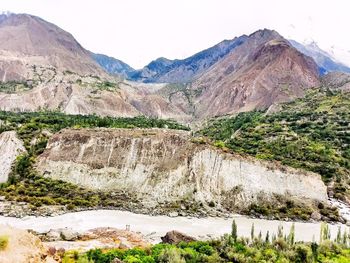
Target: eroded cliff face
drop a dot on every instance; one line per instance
(10, 148)
(162, 166)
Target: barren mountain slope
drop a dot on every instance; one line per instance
(77, 94)
(27, 40)
(337, 80)
(264, 70)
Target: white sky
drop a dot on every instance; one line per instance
(138, 31)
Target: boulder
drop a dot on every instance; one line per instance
(175, 237)
(53, 235)
(316, 216)
(68, 234)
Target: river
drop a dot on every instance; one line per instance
(153, 227)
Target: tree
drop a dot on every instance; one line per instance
(267, 237)
(291, 235)
(252, 233)
(234, 231)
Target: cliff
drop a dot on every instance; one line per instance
(10, 148)
(163, 167)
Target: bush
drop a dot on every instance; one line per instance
(4, 240)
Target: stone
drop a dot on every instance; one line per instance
(175, 237)
(53, 235)
(173, 214)
(68, 234)
(316, 216)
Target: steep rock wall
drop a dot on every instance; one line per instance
(163, 166)
(10, 148)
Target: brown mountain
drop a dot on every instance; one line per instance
(264, 70)
(261, 70)
(27, 40)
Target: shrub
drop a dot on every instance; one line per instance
(4, 240)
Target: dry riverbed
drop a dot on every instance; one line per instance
(153, 227)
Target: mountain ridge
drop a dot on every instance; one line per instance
(27, 41)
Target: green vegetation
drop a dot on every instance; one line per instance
(4, 240)
(107, 85)
(311, 133)
(25, 185)
(14, 86)
(292, 209)
(281, 248)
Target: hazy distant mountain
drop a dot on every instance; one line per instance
(263, 70)
(323, 59)
(112, 65)
(27, 40)
(184, 70)
(340, 54)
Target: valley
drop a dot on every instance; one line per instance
(252, 131)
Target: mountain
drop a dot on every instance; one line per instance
(112, 65)
(337, 81)
(340, 54)
(260, 72)
(27, 41)
(324, 60)
(179, 71)
(53, 71)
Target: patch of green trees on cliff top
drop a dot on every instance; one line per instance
(312, 133)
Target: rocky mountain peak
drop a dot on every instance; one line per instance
(27, 40)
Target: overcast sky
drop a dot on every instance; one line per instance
(138, 31)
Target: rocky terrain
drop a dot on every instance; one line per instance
(10, 148)
(161, 167)
(23, 247)
(87, 94)
(264, 70)
(27, 40)
(242, 74)
(337, 80)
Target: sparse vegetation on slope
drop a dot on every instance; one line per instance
(25, 185)
(14, 86)
(311, 133)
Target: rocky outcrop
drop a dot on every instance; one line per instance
(175, 237)
(163, 166)
(23, 247)
(10, 148)
(103, 237)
